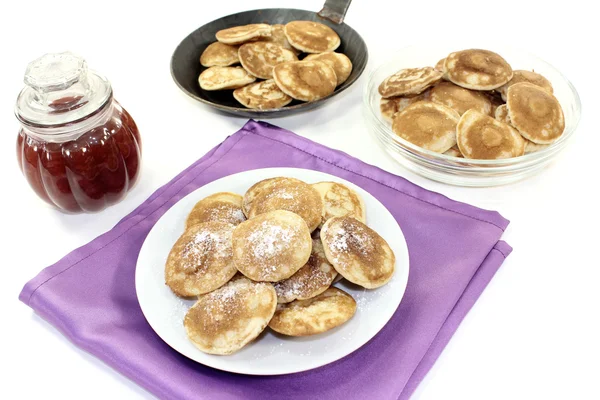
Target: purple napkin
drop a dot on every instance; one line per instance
(454, 252)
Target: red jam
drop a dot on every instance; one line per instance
(88, 173)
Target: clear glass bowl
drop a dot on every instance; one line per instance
(462, 171)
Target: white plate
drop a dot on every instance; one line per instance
(270, 354)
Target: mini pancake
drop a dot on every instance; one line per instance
(477, 69)
(390, 106)
(340, 63)
(535, 113)
(311, 37)
(317, 315)
(220, 55)
(439, 66)
(243, 34)
(357, 252)
(224, 321)
(264, 95)
(480, 136)
(221, 78)
(259, 58)
(501, 114)
(201, 260)
(526, 76)
(292, 195)
(305, 80)
(459, 98)
(429, 125)
(221, 207)
(339, 200)
(272, 246)
(278, 37)
(454, 151)
(409, 81)
(531, 147)
(310, 280)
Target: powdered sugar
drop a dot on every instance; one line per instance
(207, 244)
(268, 239)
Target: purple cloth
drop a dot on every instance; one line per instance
(454, 252)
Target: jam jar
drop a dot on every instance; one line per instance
(77, 146)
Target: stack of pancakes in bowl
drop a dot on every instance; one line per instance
(279, 63)
(270, 258)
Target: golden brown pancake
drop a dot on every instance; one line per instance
(481, 137)
(409, 81)
(305, 80)
(501, 114)
(278, 37)
(292, 195)
(339, 200)
(535, 113)
(477, 69)
(221, 207)
(316, 315)
(220, 55)
(390, 106)
(357, 252)
(264, 95)
(272, 246)
(221, 78)
(311, 37)
(439, 66)
(310, 280)
(428, 125)
(340, 63)
(526, 76)
(259, 58)
(255, 190)
(225, 320)
(530, 147)
(453, 151)
(243, 34)
(460, 99)
(201, 260)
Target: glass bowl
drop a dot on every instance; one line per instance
(462, 171)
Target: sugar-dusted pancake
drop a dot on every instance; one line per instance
(439, 66)
(305, 80)
(340, 63)
(526, 76)
(308, 317)
(481, 137)
(453, 151)
(221, 78)
(201, 260)
(243, 34)
(224, 321)
(311, 37)
(477, 69)
(259, 58)
(357, 252)
(460, 99)
(263, 95)
(292, 195)
(278, 37)
(429, 125)
(221, 207)
(220, 55)
(501, 114)
(409, 81)
(339, 200)
(310, 280)
(272, 246)
(535, 113)
(391, 105)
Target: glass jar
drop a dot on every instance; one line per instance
(78, 148)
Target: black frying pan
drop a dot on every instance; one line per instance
(185, 63)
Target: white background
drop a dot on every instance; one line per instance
(534, 333)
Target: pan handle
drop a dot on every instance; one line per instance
(335, 10)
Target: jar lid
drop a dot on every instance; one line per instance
(60, 89)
